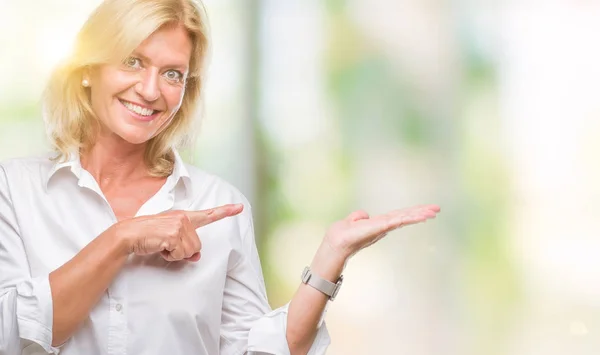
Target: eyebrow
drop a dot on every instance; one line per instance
(183, 68)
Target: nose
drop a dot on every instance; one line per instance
(147, 87)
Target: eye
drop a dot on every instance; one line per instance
(132, 62)
(174, 75)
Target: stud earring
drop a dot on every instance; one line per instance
(85, 83)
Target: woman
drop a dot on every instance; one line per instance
(118, 247)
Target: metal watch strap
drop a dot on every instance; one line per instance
(327, 287)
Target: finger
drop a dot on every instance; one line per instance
(382, 224)
(434, 208)
(431, 207)
(370, 228)
(428, 211)
(194, 242)
(190, 241)
(415, 209)
(166, 245)
(194, 257)
(412, 215)
(187, 248)
(178, 253)
(190, 233)
(375, 228)
(204, 217)
(357, 215)
(169, 256)
(407, 219)
(165, 255)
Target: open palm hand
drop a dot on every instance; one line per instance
(358, 231)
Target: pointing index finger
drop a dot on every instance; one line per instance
(204, 217)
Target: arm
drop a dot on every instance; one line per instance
(47, 309)
(25, 303)
(344, 239)
(247, 322)
(27, 307)
(308, 304)
(79, 283)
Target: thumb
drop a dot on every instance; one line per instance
(204, 217)
(166, 246)
(357, 215)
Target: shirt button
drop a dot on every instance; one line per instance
(118, 307)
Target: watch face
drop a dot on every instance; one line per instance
(305, 275)
(338, 285)
(335, 292)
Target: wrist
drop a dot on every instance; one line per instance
(328, 263)
(120, 239)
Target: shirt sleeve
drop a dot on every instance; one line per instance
(248, 324)
(25, 302)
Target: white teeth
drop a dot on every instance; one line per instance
(137, 109)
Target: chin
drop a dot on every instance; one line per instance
(135, 140)
(136, 136)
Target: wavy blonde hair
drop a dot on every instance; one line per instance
(111, 33)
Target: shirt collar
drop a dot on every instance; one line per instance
(180, 171)
(72, 161)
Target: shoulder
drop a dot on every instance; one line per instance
(23, 176)
(35, 167)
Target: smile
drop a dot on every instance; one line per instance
(142, 111)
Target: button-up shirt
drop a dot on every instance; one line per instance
(49, 211)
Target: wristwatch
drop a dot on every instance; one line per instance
(327, 287)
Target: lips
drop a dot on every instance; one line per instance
(139, 112)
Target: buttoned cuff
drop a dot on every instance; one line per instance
(268, 335)
(34, 312)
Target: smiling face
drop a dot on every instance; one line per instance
(139, 98)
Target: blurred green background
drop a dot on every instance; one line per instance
(315, 108)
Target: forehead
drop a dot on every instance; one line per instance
(167, 46)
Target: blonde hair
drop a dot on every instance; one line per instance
(112, 32)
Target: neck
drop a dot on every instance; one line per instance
(111, 160)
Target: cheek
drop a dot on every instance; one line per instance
(174, 97)
(99, 101)
(105, 85)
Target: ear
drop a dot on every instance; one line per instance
(85, 78)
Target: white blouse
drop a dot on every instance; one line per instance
(49, 212)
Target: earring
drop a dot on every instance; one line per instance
(85, 83)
